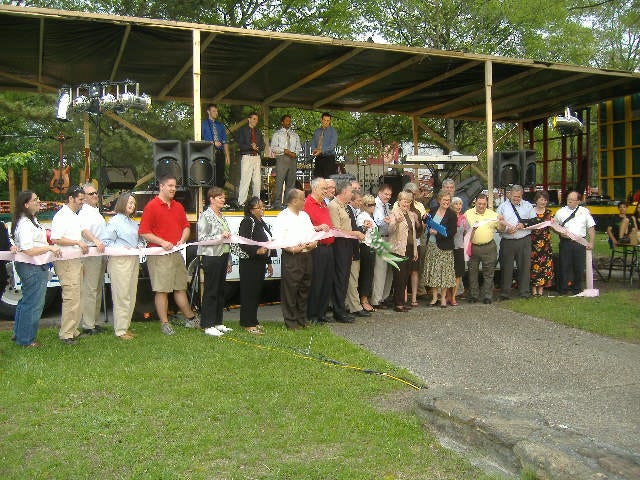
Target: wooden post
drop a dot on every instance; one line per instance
(11, 181)
(25, 179)
(414, 129)
(488, 82)
(197, 109)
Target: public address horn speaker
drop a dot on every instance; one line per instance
(167, 160)
(200, 164)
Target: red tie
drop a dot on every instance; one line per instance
(253, 136)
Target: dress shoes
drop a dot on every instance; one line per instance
(400, 309)
(361, 313)
(68, 341)
(344, 319)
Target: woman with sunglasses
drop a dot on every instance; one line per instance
(31, 239)
(367, 254)
(252, 269)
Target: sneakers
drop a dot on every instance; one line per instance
(192, 322)
(223, 329)
(213, 331)
(167, 329)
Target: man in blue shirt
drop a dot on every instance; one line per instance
(516, 242)
(323, 148)
(213, 131)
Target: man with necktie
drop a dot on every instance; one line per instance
(213, 131)
(285, 145)
(251, 143)
(323, 148)
(382, 275)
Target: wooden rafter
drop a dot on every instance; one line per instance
(369, 79)
(185, 68)
(507, 98)
(39, 85)
(420, 86)
(249, 73)
(123, 44)
(473, 93)
(306, 79)
(40, 51)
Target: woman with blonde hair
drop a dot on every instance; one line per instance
(402, 236)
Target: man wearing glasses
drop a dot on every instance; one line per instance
(67, 233)
(93, 228)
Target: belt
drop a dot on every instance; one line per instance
(482, 244)
(251, 154)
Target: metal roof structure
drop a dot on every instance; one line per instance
(45, 49)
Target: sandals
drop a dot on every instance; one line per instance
(370, 309)
(255, 330)
(415, 304)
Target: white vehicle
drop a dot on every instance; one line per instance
(13, 291)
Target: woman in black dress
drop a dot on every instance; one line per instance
(252, 269)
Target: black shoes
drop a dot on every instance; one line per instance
(345, 319)
(68, 341)
(487, 301)
(361, 313)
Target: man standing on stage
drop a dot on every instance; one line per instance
(322, 256)
(285, 145)
(93, 228)
(323, 148)
(572, 255)
(293, 225)
(251, 143)
(213, 131)
(164, 224)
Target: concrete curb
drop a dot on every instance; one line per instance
(493, 433)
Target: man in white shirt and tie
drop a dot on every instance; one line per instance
(285, 145)
(382, 275)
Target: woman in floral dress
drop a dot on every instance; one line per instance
(541, 252)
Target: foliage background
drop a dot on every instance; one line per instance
(603, 34)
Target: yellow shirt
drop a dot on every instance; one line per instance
(484, 233)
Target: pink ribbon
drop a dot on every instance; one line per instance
(70, 254)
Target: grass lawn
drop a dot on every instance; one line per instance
(192, 406)
(615, 313)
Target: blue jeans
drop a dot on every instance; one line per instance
(34, 280)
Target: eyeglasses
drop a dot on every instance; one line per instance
(91, 194)
(371, 204)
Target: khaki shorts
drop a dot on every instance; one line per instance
(168, 273)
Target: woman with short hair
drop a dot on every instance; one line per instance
(402, 237)
(122, 232)
(367, 254)
(30, 238)
(458, 250)
(252, 268)
(216, 262)
(439, 271)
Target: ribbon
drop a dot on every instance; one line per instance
(70, 254)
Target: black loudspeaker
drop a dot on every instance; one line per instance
(396, 182)
(506, 168)
(118, 177)
(200, 164)
(167, 160)
(469, 188)
(528, 168)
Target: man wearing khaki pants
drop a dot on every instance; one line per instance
(67, 233)
(93, 225)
